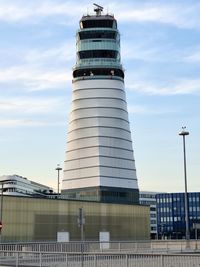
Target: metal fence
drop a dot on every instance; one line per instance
(59, 259)
(87, 246)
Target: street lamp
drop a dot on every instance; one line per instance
(187, 231)
(58, 169)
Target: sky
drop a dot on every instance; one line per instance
(160, 51)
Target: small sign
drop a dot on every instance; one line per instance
(196, 225)
(62, 236)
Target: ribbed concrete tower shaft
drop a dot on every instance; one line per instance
(99, 161)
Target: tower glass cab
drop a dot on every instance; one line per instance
(99, 163)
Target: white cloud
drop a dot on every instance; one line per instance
(27, 122)
(33, 11)
(178, 14)
(62, 53)
(148, 110)
(193, 58)
(181, 87)
(31, 105)
(41, 69)
(183, 15)
(34, 79)
(132, 51)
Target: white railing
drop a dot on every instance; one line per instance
(112, 246)
(61, 259)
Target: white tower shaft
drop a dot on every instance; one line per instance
(99, 161)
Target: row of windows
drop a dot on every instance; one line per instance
(98, 54)
(165, 209)
(179, 209)
(100, 71)
(98, 23)
(147, 202)
(177, 218)
(165, 228)
(147, 196)
(166, 219)
(97, 34)
(193, 208)
(178, 199)
(164, 200)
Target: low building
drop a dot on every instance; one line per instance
(15, 185)
(40, 219)
(149, 198)
(171, 214)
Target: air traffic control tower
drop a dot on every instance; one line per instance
(99, 163)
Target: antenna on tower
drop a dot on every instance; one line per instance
(98, 9)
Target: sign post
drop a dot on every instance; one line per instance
(196, 226)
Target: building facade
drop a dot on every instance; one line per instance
(40, 219)
(20, 186)
(149, 198)
(171, 214)
(99, 162)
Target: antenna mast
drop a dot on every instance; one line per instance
(98, 9)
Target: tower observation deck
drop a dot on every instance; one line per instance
(99, 163)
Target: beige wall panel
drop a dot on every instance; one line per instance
(31, 219)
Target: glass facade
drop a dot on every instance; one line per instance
(97, 72)
(104, 194)
(102, 34)
(100, 23)
(171, 214)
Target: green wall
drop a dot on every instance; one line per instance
(34, 219)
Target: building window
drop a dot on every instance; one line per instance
(98, 54)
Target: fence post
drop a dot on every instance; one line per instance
(162, 260)
(40, 256)
(17, 259)
(66, 260)
(95, 260)
(126, 260)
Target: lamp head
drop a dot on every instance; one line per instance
(184, 132)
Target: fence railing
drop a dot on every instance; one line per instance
(87, 246)
(60, 259)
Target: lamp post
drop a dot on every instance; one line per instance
(58, 169)
(183, 133)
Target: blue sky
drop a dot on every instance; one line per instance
(160, 47)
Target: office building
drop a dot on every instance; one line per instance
(15, 185)
(171, 214)
(149, 199)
